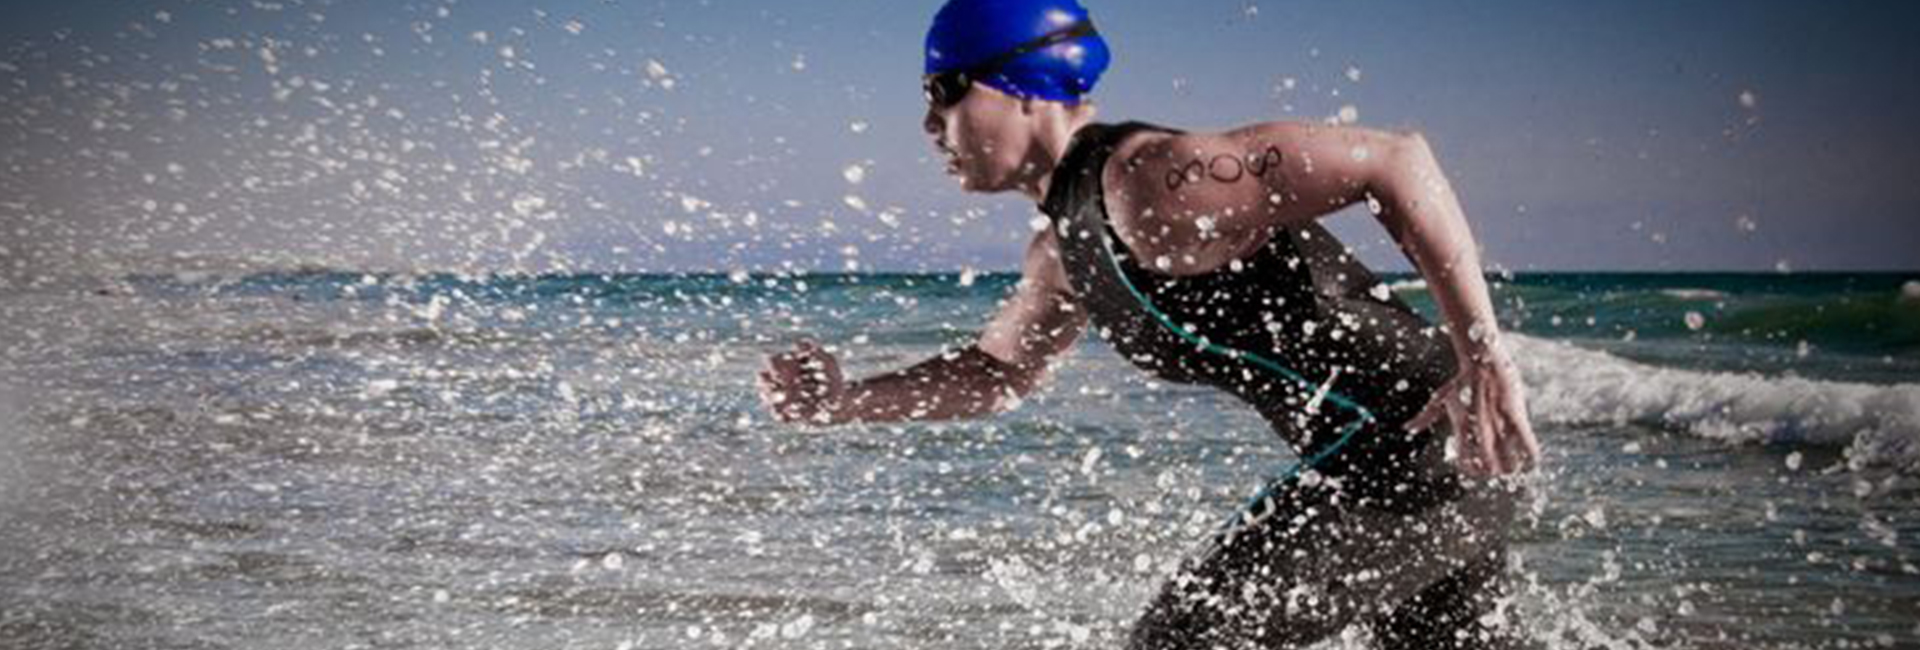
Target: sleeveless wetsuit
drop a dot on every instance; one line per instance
(1380, 529)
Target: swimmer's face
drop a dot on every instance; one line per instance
(980, 138)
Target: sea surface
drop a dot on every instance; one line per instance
(327, 459)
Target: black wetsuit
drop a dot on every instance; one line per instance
(1382, 530)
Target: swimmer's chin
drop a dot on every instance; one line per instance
(974, 184)
(965, 181)
(960, 175)
(969, 185)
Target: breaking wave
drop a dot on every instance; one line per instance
(1877, 424)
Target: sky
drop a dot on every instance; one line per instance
(732, 135)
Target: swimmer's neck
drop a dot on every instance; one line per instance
(1053, 129)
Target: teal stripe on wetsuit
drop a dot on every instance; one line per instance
(1300, 307)
(1363, 416)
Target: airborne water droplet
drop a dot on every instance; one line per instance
(1695, 321)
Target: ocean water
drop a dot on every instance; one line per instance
(321, 459)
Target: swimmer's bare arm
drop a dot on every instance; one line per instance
(1009, 360)
(1208, 188)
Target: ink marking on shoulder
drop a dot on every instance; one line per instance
(1186, 174)
(1266, 161)
(1224, 168)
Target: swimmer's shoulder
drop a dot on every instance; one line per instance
(1160, 161)
(1167, 192)
(1195, 198)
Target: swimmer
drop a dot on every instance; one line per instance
(1198, 257)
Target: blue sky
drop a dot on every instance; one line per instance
(725, 135)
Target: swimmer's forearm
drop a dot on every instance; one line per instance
(964, 383)
(1426, 219)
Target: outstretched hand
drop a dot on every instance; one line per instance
(802, 385)
(1491, 433)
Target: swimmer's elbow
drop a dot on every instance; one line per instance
(1412, 141)
(1020, 365)
(1409, 175)
(1016, 378)
(1410, 160)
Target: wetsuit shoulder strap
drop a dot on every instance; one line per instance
(1076, 179)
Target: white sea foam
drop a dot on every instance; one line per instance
(1414, 284)
(1693, 294)
(1878, 424)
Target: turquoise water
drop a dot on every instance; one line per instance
(335, 459)
(1867, 313)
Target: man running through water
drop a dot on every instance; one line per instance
(1198, 257)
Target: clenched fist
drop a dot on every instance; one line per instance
(803, 385)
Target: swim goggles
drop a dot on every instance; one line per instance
(946, 89)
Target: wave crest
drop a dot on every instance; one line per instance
(1878, 424)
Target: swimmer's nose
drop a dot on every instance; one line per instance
(933, 124)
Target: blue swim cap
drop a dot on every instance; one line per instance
(967, 33)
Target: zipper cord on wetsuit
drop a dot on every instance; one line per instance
(1346, 432)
